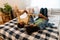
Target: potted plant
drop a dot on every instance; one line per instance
(8, 10)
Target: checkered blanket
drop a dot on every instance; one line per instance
(10, 31)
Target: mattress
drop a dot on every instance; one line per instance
(10, 31)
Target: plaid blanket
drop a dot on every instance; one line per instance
(10, 31)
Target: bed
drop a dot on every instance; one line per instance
(10, 31)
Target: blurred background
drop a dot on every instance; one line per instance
(32, 3)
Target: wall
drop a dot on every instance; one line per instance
(22, 4)
(46, 3)
(55, 11)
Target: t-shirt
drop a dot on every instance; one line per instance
(38, 21)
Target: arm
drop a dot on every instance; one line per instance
(41, 15)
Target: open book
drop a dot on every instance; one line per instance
(24, 18)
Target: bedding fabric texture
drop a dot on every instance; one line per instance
(10, 31)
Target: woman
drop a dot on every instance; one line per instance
(36, 24)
